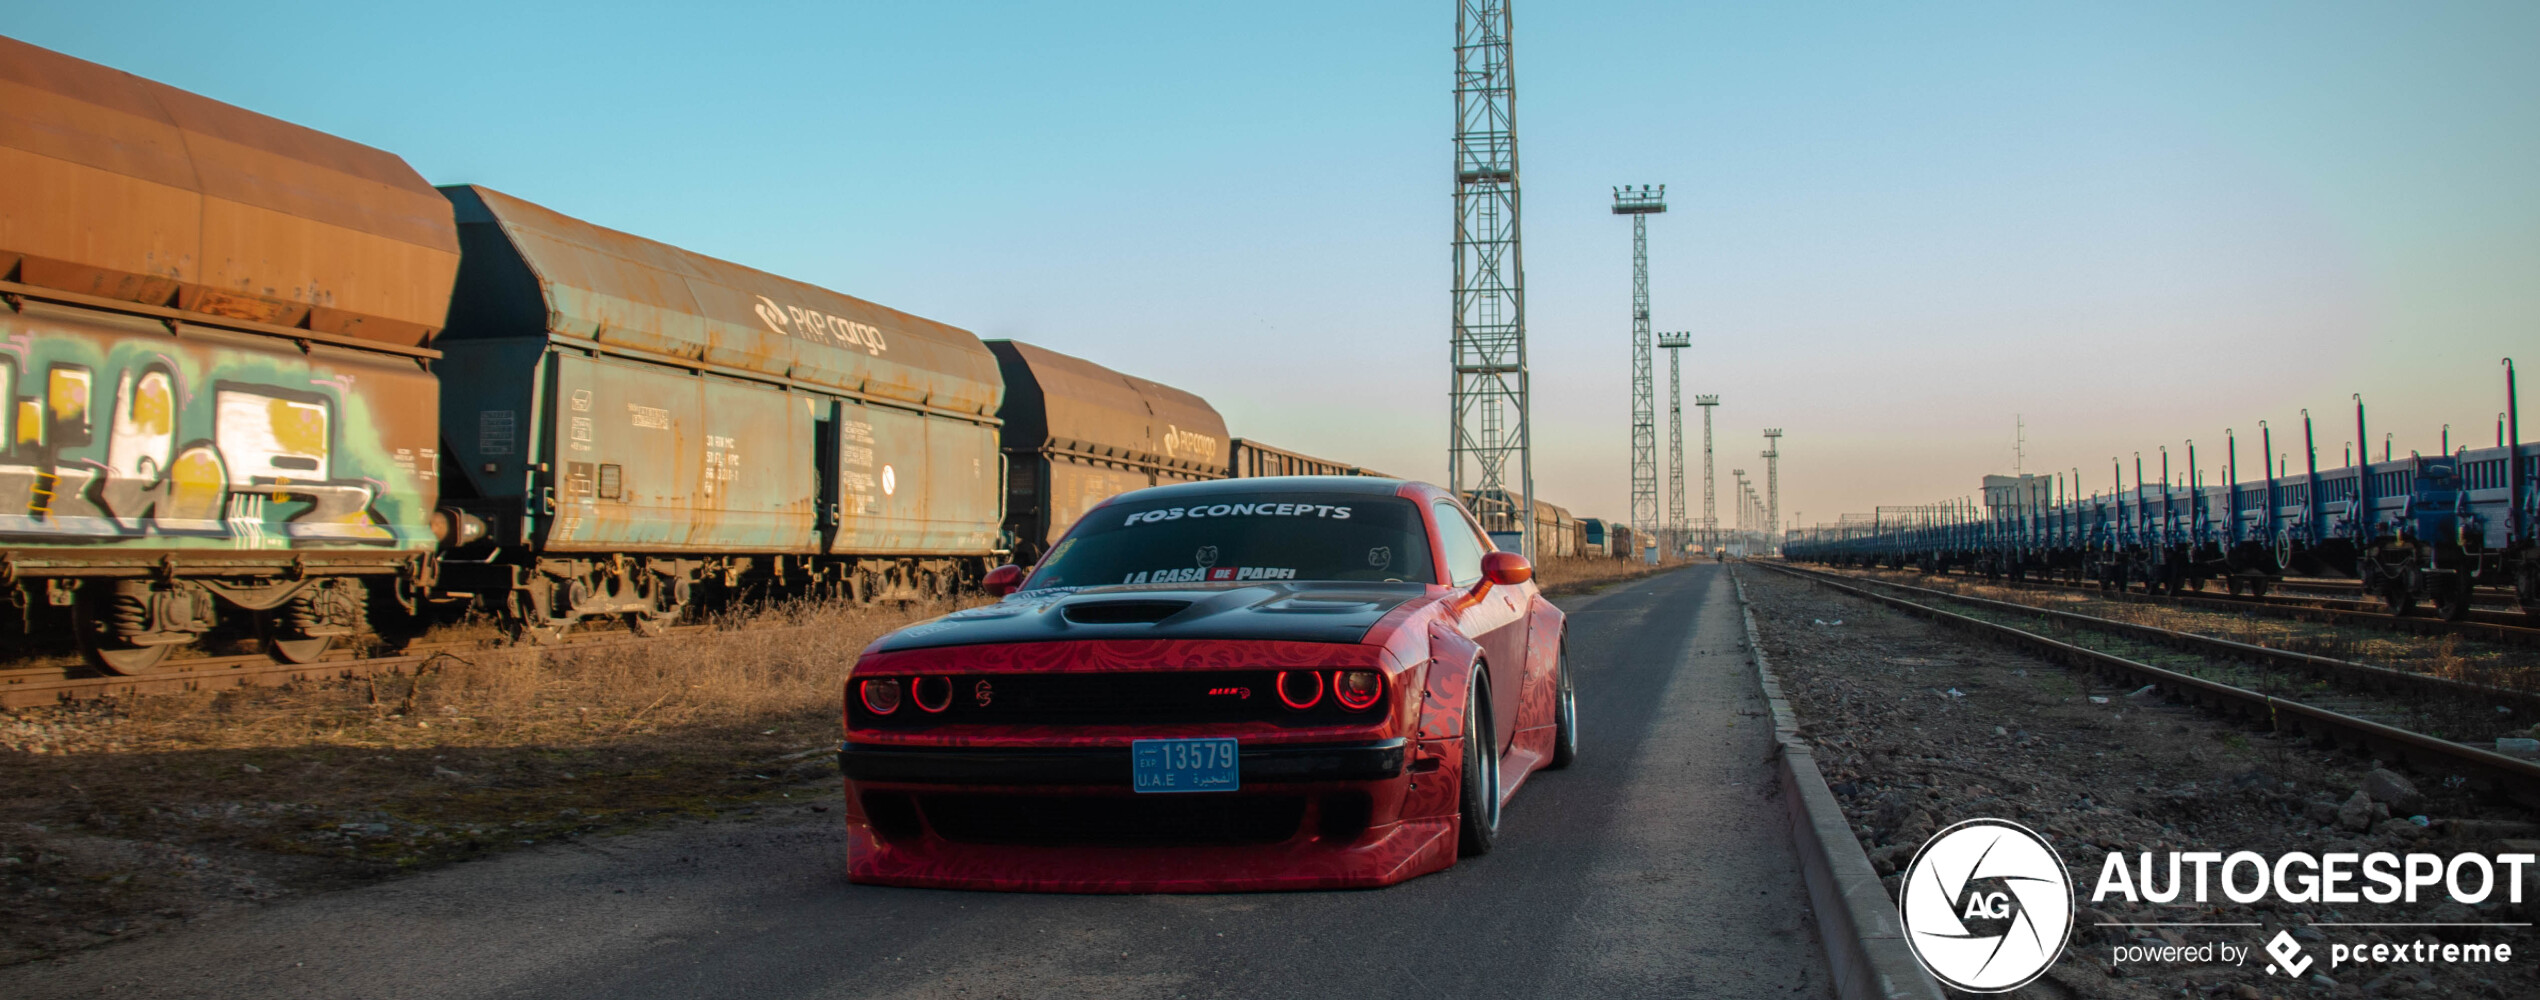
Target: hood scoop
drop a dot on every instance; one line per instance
(1120, 612)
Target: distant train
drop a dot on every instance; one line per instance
(2420, 529)
(268, 384)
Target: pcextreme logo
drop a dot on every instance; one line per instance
(1987, 906)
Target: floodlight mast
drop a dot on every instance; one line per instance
(1674, 344)
(1640, 203)
(1772, 485)
(1710, 513)
(1489, 335)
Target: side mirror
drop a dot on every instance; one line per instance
(1003, 580)
(1506, 569)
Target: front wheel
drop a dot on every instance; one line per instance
(1478, 800)
(1565, 714)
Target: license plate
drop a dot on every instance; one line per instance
(1209, 765)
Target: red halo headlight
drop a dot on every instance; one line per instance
(881, 696)
(1288, 682)
(934, 703)
(1358, 690)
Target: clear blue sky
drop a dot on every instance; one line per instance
(1893, 226)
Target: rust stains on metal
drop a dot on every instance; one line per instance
(1093, 412)
(136, 191)
(1077, 433)
(652, 300)
(1254, 459)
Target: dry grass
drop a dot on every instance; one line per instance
(117, 817)
(1560, 575)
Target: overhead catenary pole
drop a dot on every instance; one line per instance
(1640, 203)
(1674, 344)
(1489, 401)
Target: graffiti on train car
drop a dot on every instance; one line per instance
(112, 439)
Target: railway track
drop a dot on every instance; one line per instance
(29, 687)
(2483, 624)
(2344, 724)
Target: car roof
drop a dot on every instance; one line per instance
(1366, 485)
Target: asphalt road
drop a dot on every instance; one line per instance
(1656, 866)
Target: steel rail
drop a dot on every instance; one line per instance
(2514, 777)
(2359, 675)
(2482, 624)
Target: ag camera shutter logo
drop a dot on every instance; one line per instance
(1987, 906)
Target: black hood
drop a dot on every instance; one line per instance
(1285, 611)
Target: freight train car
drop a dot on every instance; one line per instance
(230, 413)
(2418, 529)
(217, 418)
(1077, 434)
(630, 420)
(1253, 458)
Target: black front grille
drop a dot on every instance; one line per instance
(1096, 699)
(1146, 820)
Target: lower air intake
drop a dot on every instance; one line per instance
(1159, 820)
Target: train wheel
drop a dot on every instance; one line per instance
(281, 644)
(303, 628)
(2258, 586)
(104, 622)
(2231, 584)
(529, 622)
(2452, 601)
(115, 658)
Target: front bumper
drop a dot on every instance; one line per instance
(1066, 819)
(1105, 766)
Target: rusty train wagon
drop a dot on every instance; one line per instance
(629, 420)
(1077, 434)
(218, 420)
(1253, 458)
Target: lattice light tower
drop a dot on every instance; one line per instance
(1710, 513)
(1772, 483)
(1674, 344)
(1740, 476)
(1490, 387)
(1640, 203)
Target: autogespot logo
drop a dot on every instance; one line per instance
(1987, 906)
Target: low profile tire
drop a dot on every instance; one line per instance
(1565, 714)
(1478, 800)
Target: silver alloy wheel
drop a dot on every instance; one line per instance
(1490, 764)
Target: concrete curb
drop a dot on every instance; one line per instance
(1865, 942)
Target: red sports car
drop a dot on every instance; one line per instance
(1282, 683)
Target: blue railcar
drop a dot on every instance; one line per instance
(2417, 529)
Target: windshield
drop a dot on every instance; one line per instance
(1244, 538)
